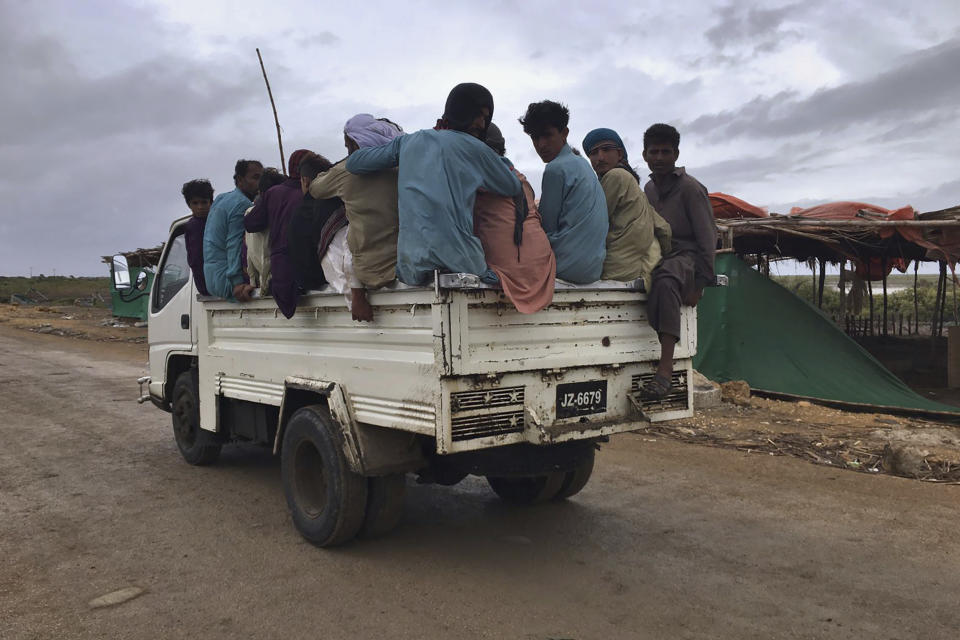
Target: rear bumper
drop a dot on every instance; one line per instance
(514, 408)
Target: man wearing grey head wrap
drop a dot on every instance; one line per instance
(370, 238)
(363, 130)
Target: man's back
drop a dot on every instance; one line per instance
(223, 243)
(574, 212)
(439, 175)
(371, 207)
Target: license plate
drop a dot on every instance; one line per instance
(581, 398)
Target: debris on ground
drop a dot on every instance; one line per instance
(706, 392)
(116, 597)
(736, 392)
(865, 442)
(71, 321)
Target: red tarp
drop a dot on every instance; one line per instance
(941, 244)
(726, 207)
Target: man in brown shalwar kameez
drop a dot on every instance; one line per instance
(679, 280)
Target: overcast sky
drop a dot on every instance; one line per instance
(109, 106)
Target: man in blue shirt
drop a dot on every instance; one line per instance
(440, 171)
(223, 236)
(572, 206)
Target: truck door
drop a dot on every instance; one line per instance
(170, 329)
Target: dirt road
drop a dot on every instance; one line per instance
(668, 540)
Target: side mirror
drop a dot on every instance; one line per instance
(141, 282)
(121, 273)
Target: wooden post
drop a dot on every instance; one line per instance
(843, 287)
(883, 272)
(936, 312)
(823, 279)
(870, 294)
(943, 297)
(813, 283)
(916, 302)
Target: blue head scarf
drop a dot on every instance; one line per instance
(597, 136)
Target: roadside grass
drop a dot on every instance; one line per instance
(58, 289)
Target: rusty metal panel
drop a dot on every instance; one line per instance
(578, 328)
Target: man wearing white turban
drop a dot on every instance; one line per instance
(370, 237)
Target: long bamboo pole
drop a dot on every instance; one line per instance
(807, 222)
(283, 164)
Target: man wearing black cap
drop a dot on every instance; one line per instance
(440, 171)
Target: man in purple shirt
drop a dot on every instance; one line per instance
(199, 196)
(273, 210)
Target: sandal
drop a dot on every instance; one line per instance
(657, 388)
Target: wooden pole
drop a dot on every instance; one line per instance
(916, 300)
(789, 221)
(870, 293)
(943, 297)
(843, 287)
(283, 163)
(823, 279)
(813, 283)
(936, 311)
(883, 271)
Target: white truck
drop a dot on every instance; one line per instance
(448, 380)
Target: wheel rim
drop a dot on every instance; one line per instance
(309, 483)
(183, 426)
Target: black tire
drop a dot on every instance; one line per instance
(574, 481)
(197, 446)
(384, 504)
(326, 498)
(527, 490)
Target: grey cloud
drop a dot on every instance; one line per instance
(737, 25)
(923, 83)
(745, 169)
(907, 131)
(322, 39)
(56, 103)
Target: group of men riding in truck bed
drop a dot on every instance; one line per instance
(401, 206)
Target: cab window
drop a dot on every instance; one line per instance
(174, 273)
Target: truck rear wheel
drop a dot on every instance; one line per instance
(575, 480)
(384, 504)
(326, 498)
(197, 446)
(527, 490)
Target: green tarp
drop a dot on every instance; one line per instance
(755, 330)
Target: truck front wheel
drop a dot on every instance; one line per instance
(326, 498)
(527, 490)
(197, 446)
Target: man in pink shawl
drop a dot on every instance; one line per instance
(523, 261)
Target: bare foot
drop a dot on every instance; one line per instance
(362, 310)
